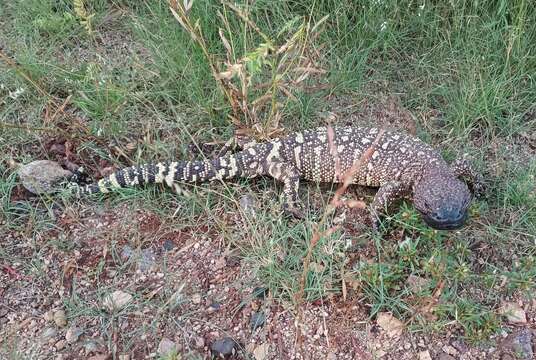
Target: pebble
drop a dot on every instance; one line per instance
(196, 298)
(223, 347)
(59, 318)
(168, 245)
(257, 320)
(166, 347)
(513, 313)
(417, 284)
(72, 334)
(425, 355)
(199, 342)
(41, 176)
(116, 300)
(261, 351)
(60, 345)
(90, 346)
(48, 332)
(519, 343)
(49, 315)
(391, 325)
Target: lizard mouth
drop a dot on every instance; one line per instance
(445, 224)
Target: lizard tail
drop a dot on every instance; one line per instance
(169, 173)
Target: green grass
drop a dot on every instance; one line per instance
(472, 63)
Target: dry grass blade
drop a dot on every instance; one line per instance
(258, 83)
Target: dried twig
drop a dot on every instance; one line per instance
(335, 202)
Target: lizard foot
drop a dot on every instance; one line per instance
(293, 211)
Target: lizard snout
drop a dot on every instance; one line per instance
(446, 218)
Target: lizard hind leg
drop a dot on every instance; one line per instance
(290, 177)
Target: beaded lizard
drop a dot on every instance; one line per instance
(402, 166)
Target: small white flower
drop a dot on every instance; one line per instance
(383, 26)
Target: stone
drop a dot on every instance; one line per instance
(257, 320)
(48, 333)
(196, 298)
(41, 176)
(519, 344)
(224, 347)
(166, 347)
(445, 356)
(59, 318)
(199, 342)
(116, 300)
(513, 313)
(168, 245)
(425, 355)
(417, 284)
(391, 325)
(146, 260)
(261, 351)
(60, 345)
(90, 346)
(72, 334)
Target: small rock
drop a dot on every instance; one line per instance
(168, 245)
(445, 356)
(199, 342)
(519, 344)
(261, 351)
(41, 176)
(60, 345)
(72, 334)
(425, 355)
(48, 333)
(223, 347)
(257, 320)
(49, 316)
(116, 300)
(196, 298)
(59, 318)
(124, 357)
(417, 284)
(380, 353)
(91, 346)
(220, 263)
(146, 260)
(166, 347)
(391, 325)
(214, 307)
(449, 350)
(513, 313)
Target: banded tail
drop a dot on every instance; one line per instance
(173, 172)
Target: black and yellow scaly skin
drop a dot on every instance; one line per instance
(401, 166)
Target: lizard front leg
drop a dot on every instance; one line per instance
(386, 195)
(289, 175)
(463, 170)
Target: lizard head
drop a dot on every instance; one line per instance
(442, 199)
